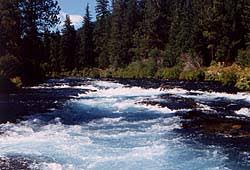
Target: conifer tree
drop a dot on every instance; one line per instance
(54, 53)
(68, 44)
(117, 54)
(10, 28)
(87, 55)
(102, 32)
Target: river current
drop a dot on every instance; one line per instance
(78, 124)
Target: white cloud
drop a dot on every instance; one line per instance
(75, 19)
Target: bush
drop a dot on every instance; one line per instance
(195, 75)
(17, 81)
(168, 73)
(106, 73)
(244, 58)
(137, 69)
(9, 66)
(228, 78)
(243, 83)
(94, 73)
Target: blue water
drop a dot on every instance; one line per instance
(91, 124)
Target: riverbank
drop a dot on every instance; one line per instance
(230, 76)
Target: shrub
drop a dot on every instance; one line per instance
(243, 83)
(194, 75)
(228, 78)
(106, 73)
(168, 73)
(244, 58)
(137, 69)
(94, 73)
(17, 81)
(9, 66)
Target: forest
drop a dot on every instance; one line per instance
(163, 39)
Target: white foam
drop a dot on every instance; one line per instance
(204, 107)
(205, 95)
(107, 84)
(124, 92)
(63, 86)
(243, 111)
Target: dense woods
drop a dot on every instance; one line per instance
(148, 35)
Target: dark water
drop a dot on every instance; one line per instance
(93, 124)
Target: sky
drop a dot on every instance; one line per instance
(76, 10)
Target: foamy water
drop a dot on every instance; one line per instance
(109, 128)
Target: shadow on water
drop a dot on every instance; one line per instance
(54, 105)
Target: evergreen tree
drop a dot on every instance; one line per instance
(68, 44)
(130, 24)
(181, 33)
(37, 17)
(87, 55)
(10, 29)
(102, 32)
(153, 31)
(117, 53)
(54, 53)
(245, 15)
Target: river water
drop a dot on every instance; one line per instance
(77, 124)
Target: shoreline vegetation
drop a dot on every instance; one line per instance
(157, 39)
(231, 76)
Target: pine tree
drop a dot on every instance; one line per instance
(37, 17)
(68, 44)
(54, 53)
(245, 15)
(87, 55)
(130, 24)
(152, 34)
(117, 54)
(10, 29)
(102, 32)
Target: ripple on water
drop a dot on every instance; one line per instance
(108, 127)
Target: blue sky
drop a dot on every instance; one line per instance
(76, 10)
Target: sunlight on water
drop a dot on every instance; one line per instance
(110, 129)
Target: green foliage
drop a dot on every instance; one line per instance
(10, 66)
(168, 73)
(68, 45)
(195, 75)
(228, 78)
(244, 58)
(137, 69)
(243, 83)
(86, 56)
(131, 39)
(17, 81)
(101, 34)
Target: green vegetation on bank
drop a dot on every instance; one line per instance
(167, 39)
(232, 76)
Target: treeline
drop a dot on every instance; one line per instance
(125, 32)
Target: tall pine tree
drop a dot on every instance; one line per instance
(86, 54)
(10, 28)
(102, 32)
(68, 45)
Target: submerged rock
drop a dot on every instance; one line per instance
(14, 163)
(216, 124)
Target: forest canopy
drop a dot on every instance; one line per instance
(151, 34)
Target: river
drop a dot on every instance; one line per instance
(78, 124)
